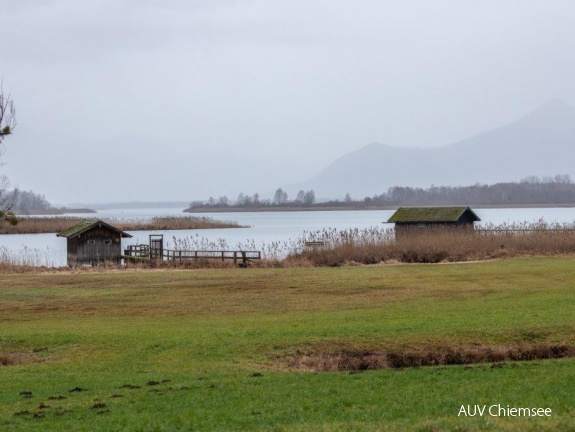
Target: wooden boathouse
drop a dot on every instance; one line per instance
(407, 218)
(93, 242)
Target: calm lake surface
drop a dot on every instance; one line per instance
(264, 229)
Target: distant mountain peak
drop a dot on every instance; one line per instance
(552, 108)
(540, 143)
(555, 104)
(373, 145)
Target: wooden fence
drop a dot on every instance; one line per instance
(138, 251)
(503, 231)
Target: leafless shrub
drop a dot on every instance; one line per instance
(344, 361)
(370, 360)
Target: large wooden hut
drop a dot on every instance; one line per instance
(406, 218)
(93, 242)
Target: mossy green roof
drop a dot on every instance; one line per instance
(430, 214)
(85, 226)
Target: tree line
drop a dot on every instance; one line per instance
(28, 200)
(20, 201)
(280, 199)
(531, 190)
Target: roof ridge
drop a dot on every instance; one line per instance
(431, 214)
(87, 224)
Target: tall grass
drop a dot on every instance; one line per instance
(273, 251)
(25, 259)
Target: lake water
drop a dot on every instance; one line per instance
(264, 229)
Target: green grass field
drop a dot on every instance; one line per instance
(213, 349)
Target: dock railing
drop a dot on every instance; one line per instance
(183, 255)
(143, 252)
(138, 251)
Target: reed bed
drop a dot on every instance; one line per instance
(273, 253)
(25, 259)
(435, 244)
(419, 245)
(38, 225)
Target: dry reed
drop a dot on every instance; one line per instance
(25, 258)
(435, 244)
(375, 245)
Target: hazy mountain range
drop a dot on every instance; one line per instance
(70, 169)
(67, 169)
(540, 143)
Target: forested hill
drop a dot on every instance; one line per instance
(541, 142)
(557, 190)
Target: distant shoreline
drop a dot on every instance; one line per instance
(52, 212)
(361, 208)
(48, 224)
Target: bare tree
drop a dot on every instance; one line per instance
(305, 198)
(280, 197)
(242, 200)
(7, 125)
(563, 179)
(7, 115)
(309, 197)
(300, 197)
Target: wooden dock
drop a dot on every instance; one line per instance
(142, 252)
(243, 256)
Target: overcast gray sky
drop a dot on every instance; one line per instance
(293, 84)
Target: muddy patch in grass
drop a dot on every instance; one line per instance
(18, 358)
(372, 360)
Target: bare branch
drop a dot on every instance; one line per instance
(7, 114)
(7, 125)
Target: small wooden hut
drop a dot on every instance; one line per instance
(93, 242)
(406, 218)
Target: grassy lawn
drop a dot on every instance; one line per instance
(211, 349)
